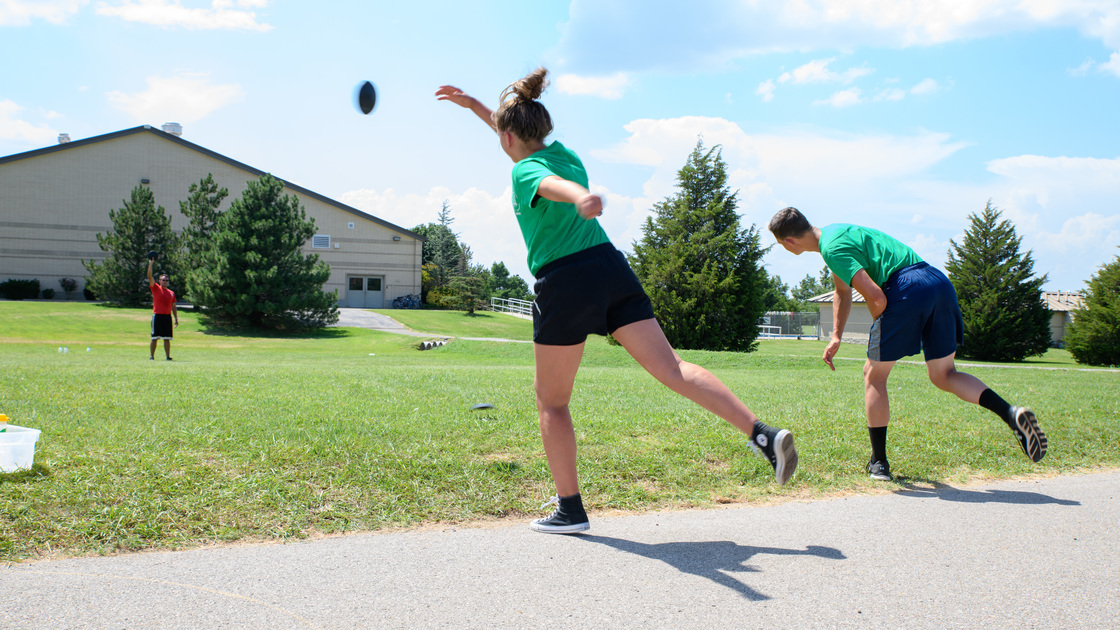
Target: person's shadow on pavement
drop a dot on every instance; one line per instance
(949, 493)
(712, 560)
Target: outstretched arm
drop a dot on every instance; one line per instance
(151, 281)
(556, 188)
(462, 99)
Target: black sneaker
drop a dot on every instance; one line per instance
(777, 446)
(880, 470)
(1031, 437)
(566, 519)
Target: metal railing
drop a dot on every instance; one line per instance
(504, 305)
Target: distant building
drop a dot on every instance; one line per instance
(54, 201)
(1061, 305)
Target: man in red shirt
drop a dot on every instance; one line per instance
(163, 307)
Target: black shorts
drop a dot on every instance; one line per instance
(589, 292)
(161, 326)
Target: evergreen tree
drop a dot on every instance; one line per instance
(811, 287)
(701, 271)
(1000, 299)
(256, 275)
(201, 211)
(1093, 337)
(441, 253)
(504, 285)
(138, 227)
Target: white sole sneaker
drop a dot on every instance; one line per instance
(785, 456)
(542, 525)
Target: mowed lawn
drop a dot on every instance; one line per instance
(256, 437)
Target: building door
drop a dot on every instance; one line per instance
(364, 292)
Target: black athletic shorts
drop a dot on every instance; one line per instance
(589, 292)
(161, 327)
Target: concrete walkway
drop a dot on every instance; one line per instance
(361, 318)
(1041, 553)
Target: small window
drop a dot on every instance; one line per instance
(355, 284)
(350, 225)
(374, 284)
(321, 241)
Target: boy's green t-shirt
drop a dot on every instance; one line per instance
(551, 229)
(848, 248)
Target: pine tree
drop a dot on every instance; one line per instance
(1093, 337)
(701, 271)
(441, 253)
(201, 211)
(256, 275)
(138, 227)
(1000, 299)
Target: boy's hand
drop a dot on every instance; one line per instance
(590, 206)
(830, 351)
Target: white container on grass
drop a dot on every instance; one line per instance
(17, 448)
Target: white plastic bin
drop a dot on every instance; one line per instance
(17, 448)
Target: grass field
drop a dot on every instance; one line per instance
(254, 437)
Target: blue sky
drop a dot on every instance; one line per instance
(901, 115)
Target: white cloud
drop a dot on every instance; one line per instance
(22, 12)
(608, 87)
(184, 98)
(890, 94)
(626, 35)
(926, 87)
(817, 71)
(843, 98)
(1112, 66)
(222, 14)
(14, 128)
(766, 90)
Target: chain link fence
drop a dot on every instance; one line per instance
(778, 324)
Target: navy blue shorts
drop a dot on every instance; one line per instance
(922, 315)
(589, 292)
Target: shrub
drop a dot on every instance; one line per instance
(20, 289)
(48, 294)
(69, 285)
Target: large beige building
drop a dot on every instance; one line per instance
(54, 201)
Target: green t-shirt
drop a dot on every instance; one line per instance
(551, 229)
(848, 248)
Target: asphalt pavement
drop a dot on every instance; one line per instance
(1034, 553)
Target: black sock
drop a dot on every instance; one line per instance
(878, 443)
(993, 403)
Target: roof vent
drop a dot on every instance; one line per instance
(173, 128)
(63, 138)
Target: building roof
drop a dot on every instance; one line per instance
(1055, 301)
(217, 156)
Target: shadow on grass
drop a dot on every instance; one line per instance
(949, 493)
(35, 473)
(712, 560)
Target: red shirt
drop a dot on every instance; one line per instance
(162, 299)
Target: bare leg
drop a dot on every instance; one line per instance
(646, 342)
(556, 368)
(875, 400)
(943, 373)
(153, 348)
(167, 347)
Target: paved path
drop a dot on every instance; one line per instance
(361, 318)
(1020, 554)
